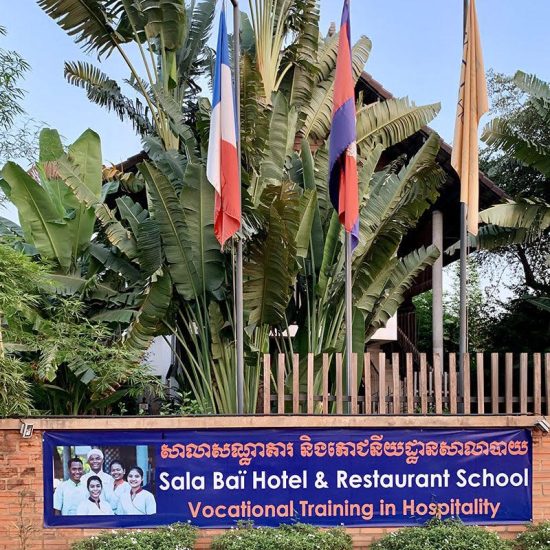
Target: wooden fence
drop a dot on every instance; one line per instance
(393, 384)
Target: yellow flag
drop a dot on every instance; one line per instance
(472, 103)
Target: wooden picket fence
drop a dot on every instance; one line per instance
(493, 384)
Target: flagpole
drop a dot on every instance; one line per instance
(239, 323)
(349, 320)
(463, 311)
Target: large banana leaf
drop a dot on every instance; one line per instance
(132, 212)
(177, 242)
(171, 163)
(396, 200)
(115, 263)
(38, 216)
(391, 121)
(331, 251)
(254, 116)
(50, 146)
(115, 232)
(532, 85)
(165, 21)
(268, 282)
(303, 51)
(316, 234)
(106, 92)
(89, 21)
(72, 285)
(81, 167)
(318, 112)
(149, 247)
(308, 209)
(282, 129)
(401, 279)
(531, 215)
(197, 200)
(500, 135)
(200, 17)
(152, 312)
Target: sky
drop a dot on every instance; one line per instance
(416, 52)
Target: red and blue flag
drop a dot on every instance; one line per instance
(222, 168)
(343, 179)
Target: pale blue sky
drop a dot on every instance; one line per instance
(416, 52)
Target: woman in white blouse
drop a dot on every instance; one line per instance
(120, 485)
(94, 505)
(137, 501)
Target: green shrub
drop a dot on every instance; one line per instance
(285, 537)
(179, 536)
(442, 535)
(537, 537)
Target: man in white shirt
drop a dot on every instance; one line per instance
(71, 492)
(95, 460)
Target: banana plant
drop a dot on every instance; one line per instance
(171, 39)
(293, 254)
(521, 219)
(52, 218)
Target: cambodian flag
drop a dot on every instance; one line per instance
(222, 169)
(343, 180)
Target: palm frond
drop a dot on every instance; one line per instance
(106, 92)
(177, 243)
(529, 214)
(401, 278)
(149, 321)
(91, 22)
(500, 135)
(192, 56)
(318, 113)
(197, 200)
(132, 212)
(532, 85)
(268, 282)
(149, 247)
(115, 263)
(282, 129)
(391, 121)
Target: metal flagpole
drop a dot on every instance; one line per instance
(463, 314)
(349, 320)
(239, 328)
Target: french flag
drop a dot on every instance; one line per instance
(222, 168)
(343, 179)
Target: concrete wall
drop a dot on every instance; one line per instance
(21, 479)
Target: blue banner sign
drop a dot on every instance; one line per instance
(326, 477)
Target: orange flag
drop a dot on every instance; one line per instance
(472, 103)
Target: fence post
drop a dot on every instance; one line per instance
(267, 383)
(368, 390)
(480, 384)
(381, 383)
(396, 384)
(310, 388)
(438, 384)
(281, 384)
(494, 383)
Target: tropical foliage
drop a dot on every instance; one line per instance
(529, 147)
(52, 358)
(293, 254)
(518, 158)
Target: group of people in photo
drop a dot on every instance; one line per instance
(98, 493)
